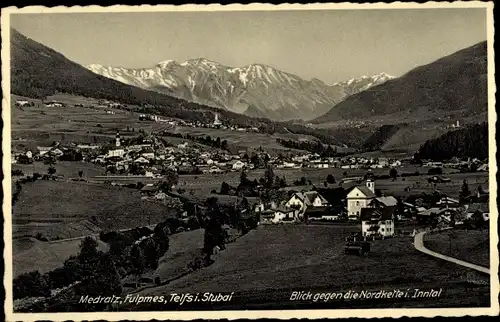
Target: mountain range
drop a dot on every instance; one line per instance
(422, 103)
(255, 90)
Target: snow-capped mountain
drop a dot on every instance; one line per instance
(256, 90)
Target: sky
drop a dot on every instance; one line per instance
(331, 45)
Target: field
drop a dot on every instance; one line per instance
(266, 265)
(243, 140)
(41, 125)
(67, 169)
(471, 245)
(203, 184)
(57, 209)
(30, 254)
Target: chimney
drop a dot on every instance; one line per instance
(371, 185)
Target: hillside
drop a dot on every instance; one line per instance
(454, 84)
(471, 141)
(38, 72)
(255, 90)
(377, 140)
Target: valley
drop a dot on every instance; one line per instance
(198, 177)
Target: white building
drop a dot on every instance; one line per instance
(22, 103)
(279, 215)
(116, 153)
(303, 200)
(360, 197)
(238, 165)
(377, 221)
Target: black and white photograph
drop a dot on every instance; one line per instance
(259, 160)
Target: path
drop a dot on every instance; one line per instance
(419, 245)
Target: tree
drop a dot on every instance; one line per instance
(225, 188)
(214, 234)
(243, 177)
(464, 192)
(480, 189)
(269, 177)
(170, 178)
(104, 281)
(88, 256)
(30, 284)
(393, 173)
(223, 145)
(151, 255)
(137, 260)
(330, 179)
(80, 173)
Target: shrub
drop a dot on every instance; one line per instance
(30, 285)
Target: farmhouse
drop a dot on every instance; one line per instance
(382, 202)
(141, 160)
(360, 197)
(304, 200)
(278, 215)
(22, 103)
(42, 150)
(377, 221)
(238, 165)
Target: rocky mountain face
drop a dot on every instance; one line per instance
(255, 90)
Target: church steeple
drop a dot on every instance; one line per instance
(117, 140)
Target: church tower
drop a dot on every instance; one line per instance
(117, 140)
(370, 185)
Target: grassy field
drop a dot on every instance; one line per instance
(244, 140)
(184, 247)
(267, 264)
(47, 256)
(66, 209)
(471, 246)
(203, 184)
(67, 169)
(40, 125)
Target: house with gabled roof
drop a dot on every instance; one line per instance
(304, 200)
(382, 202)
(377, 221)
(279, 215)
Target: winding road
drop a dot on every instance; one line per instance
(419, 245)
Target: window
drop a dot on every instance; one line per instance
(382, 229)
(357, 203)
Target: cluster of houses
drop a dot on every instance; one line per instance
(377, 214)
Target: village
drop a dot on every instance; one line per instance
(149, 161)
(374, 197)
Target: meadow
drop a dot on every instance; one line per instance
(469, 245)
(41, 125)
(68, 169)
(48, 256)
(58, 209)
(266, 265)
(203, 184)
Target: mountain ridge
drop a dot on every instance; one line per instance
(276, 94)
(454, 83)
